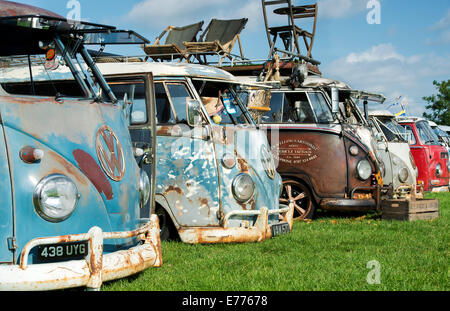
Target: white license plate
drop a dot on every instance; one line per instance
(66, 251)
(281, 228)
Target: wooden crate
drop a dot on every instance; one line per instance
(405, 209)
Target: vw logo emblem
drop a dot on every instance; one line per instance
(110, 153)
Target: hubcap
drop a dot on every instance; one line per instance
(297, 194)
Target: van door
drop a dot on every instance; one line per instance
(139, 91)
(6, 206)
(420, 156)
(187, 175)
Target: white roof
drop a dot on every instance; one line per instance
(381, 113)
(22, 74)
(313, 81)
(445, 128)
(409, 119)
(166, 69)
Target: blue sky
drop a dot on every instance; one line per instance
(401, 56)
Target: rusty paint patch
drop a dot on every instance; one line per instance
(204, 202)
(8, 8)
(173, 188)
(92, 170)
(28, 100)
(68, 166)
(243, 165)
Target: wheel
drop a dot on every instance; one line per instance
(167, 229)
(304, 207)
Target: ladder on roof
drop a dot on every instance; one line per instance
(290, 33)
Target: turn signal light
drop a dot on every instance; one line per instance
(31, 155)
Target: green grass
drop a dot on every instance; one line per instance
(329, 253)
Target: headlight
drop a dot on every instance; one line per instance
(243, 187)
(144, 187)
(55, 198)
(403, 174)
(438, 170)
(364, 169)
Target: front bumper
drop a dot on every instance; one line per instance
(353, 204)
(94, 269)
(260, 231)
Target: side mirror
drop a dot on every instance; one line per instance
(194, 112)
(335, 100)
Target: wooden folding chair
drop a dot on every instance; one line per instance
(218, 38)
(173, 47)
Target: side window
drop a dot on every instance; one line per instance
(297, 109)
(163, 110)
(179, 96)
(410, 135)
(134, 91)
(276, 109)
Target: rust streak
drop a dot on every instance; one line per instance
(68, 166)
(204, 201)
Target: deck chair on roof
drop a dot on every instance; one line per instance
(217, 39)
(173, 47)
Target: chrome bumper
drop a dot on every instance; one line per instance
(91, 271)
(260, 231)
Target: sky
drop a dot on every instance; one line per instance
(397, 50)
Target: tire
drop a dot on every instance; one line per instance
(167, 229)
(304, 207)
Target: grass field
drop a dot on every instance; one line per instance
(328, 254)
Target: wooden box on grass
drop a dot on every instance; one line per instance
(404, 209)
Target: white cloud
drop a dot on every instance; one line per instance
(383, 69)
(443, 23)
(442, 28)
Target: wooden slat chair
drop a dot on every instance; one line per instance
(173, 47)
(218, 38)
(289, 34)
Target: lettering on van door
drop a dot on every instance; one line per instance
(295, 151)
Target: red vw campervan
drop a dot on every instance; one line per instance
(431, 157)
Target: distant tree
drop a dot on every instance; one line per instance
(439, 105)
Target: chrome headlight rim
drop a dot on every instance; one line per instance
(235, 186)
(403, 174)
(38, 196)
(144, 188)
(364, 169)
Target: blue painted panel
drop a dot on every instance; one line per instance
(66, 133)
(187, 177)
(6, 228)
